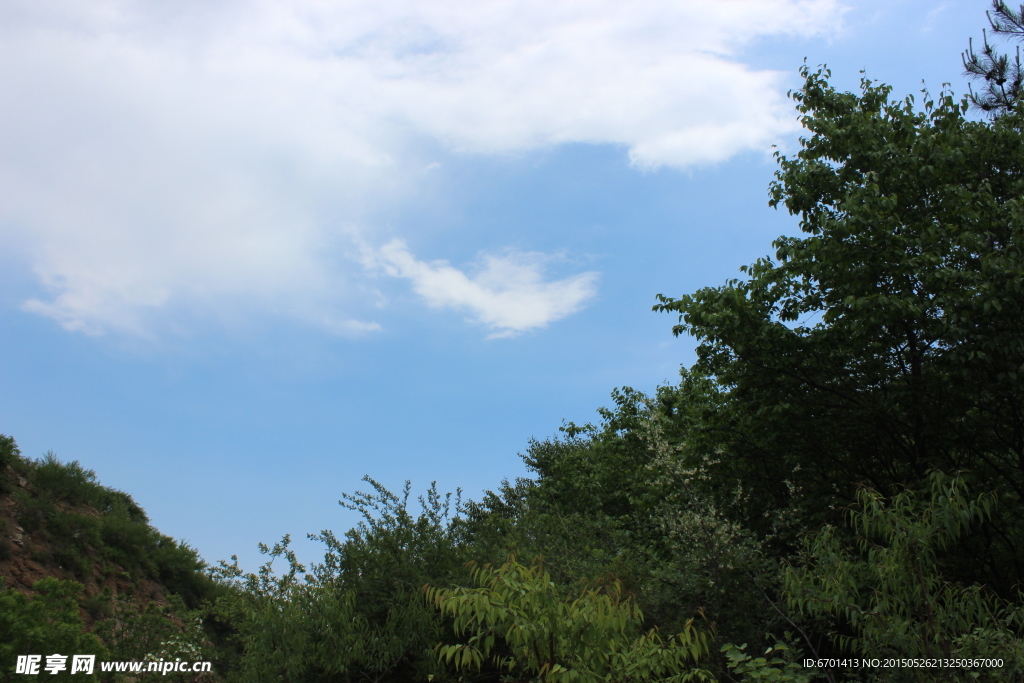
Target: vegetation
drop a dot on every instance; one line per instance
(837, 476)
(47, 623)
(1003, 78)
(888, 587)
(592, 637)
(85, 573)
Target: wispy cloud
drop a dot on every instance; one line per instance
(932, 16)
(507, 293)
(197, 156)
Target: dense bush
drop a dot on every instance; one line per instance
(45, 624)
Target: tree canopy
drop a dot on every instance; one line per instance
(888, 340)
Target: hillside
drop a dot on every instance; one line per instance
(67, 541)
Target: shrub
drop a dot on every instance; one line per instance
(99, 605)
(66, 482)
(9, 452)
(68, 557)
(44, 624)
(888, 588)
(31, 511)
(179, 568)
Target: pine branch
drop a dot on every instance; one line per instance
(1003, 78)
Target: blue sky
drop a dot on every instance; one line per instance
(252, 251)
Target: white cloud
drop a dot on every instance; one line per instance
(932, 17)
(197, 156)
(507, 293)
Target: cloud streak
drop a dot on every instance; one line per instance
(197, 158)
(507, 294)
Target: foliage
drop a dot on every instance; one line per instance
(70, 483)
(289, 631)
(519, 619)
(154, 632)
(44, 624)
(1003, 79)
(385, 560)
(597, 469)
(91, 525)
(772, 667)
(616, 498)
(888, 589)
(10, 454)
(887, 340)
(76, 527)
(10, 457)
(358, 615)
(708, 559)
(392, 549)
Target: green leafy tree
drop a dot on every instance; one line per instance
(708, 560)
(888, 339)
(589, 508)
(633, 496)
(292, 629)
(385, 560)
(359, 614)
(888, 593)
(520, 620)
